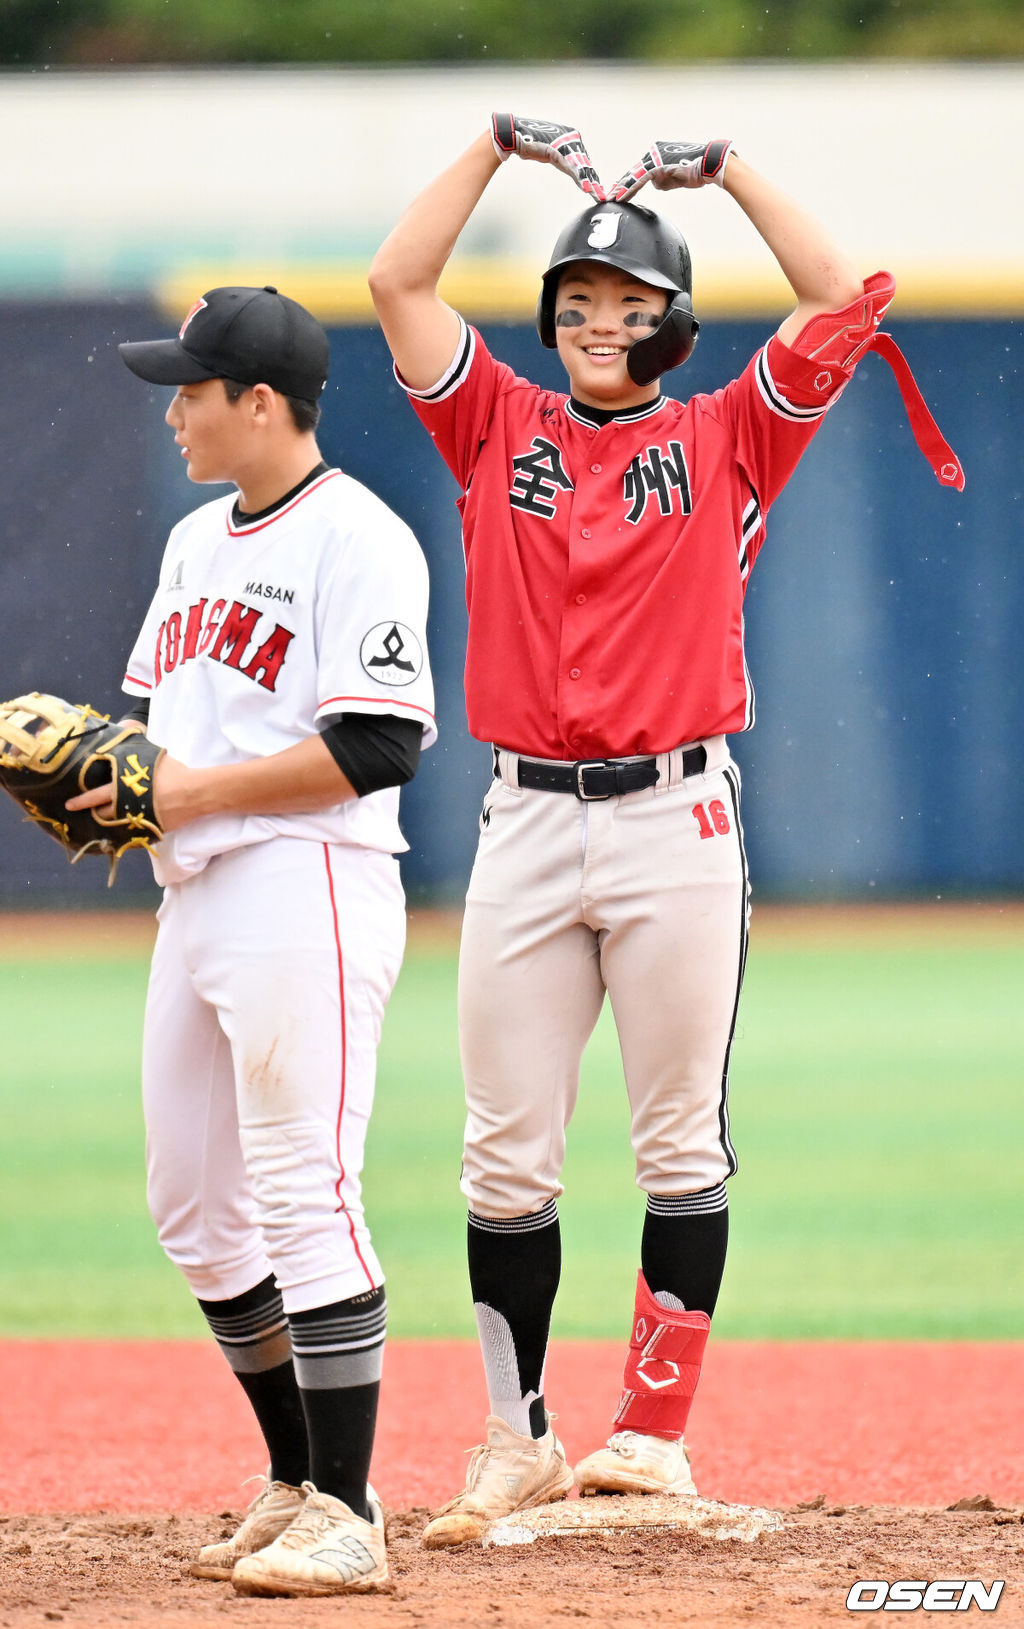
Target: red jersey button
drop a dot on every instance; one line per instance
(581, 599)
(574, 673)
(584, 531)
(595, 469)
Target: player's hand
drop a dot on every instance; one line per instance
(97, 797)
(668, 164)
(557, 144)
(174, 786)
(102, 797)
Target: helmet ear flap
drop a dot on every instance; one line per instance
(546, 317)
(668, 347)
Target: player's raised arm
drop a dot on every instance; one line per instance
(819, 273)
(421, 330)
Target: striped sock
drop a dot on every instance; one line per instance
(684, 1245)
(338, 1355)
(252, 1332)
(514, 1268)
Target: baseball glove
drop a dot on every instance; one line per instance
(51, 751)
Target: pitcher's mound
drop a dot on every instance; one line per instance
(634, 1511)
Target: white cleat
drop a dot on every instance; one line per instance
(506, 1473)
(272, 1510)
(327, 1550)
(631, 1463)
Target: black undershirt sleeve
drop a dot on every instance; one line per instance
(139, 712)
(374, 750)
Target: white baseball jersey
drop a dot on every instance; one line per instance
(261, 630)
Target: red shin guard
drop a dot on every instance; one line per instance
(663, 1367)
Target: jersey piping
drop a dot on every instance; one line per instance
(779, 403)
(732, 779)
(386, 704)
(752, 521)
(258, 524)
(343, 1083)
(598, 418)
(453, 374)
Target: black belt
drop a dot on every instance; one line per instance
(595, 779)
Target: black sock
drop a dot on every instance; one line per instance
(684, 1244)
(341, 1423)
(338, 1352)
(514, 1268)
(252, 1332)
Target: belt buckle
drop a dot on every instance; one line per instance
(580, 768)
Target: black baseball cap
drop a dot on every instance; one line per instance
(254, 335)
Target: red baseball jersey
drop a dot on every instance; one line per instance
(606, 563)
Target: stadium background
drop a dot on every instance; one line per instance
(883, 618)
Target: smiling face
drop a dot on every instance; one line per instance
(600, 312)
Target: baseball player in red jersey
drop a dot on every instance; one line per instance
(608, 535)
(282, 665)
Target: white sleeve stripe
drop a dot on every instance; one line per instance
(453, 376)
(753, 522)
(751, 715)
(775, 399)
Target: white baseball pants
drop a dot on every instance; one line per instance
(271, 972)
(644, 896)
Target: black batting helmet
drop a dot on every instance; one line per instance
(634, 240)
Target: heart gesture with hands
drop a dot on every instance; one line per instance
(666, 164)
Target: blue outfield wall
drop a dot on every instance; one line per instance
(882, 617)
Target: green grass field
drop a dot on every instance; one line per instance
(876, 1107)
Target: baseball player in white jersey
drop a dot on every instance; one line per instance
(283, 666)
(608, 539)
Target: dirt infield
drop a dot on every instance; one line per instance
(122, 1457)
(100, 1571)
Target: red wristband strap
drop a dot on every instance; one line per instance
(933, 444)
